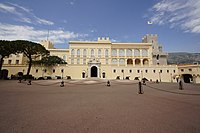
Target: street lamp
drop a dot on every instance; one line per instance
(62, 70)
(123, 73)
(160, 76)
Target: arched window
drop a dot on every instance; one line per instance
(114, 61)
(145, 62)
(78, 52)
(99, 53)
(121, 52)
(144, 52)
(136, 52)
(137, 61)
(129, 62)
(121, 61)
(84, 53)
(72, 52)
(114, 52)
(106, 53)
(64, 57)
(92, 52)
(128, 52)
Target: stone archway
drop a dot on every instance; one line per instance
(187, 78)
(94, 71)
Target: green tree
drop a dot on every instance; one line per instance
(31, 50)
(6, 48)
(50, 61)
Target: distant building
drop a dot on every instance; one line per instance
(105, 60)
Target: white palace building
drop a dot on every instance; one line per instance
(107, 60)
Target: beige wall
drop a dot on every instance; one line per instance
(105, 63)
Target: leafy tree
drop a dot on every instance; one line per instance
(50, 61)
(6, 48)
(31, 50)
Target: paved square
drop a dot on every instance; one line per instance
(89, 106)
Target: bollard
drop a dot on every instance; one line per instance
(140, 88)
(108, 83)
(29, 82)
(62, 84)
(143, 82)
(180, 85)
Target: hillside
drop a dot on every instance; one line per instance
(183, 58)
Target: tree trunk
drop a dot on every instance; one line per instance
(29, 67)
(1, 63)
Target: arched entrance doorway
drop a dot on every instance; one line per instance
(104, 75)
(83, 74)
(187, 78)
(94, 71)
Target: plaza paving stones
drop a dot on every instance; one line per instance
(89, 106)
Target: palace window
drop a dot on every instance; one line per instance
(114, 52)
(92, 52)
(144, 52)
(84, 53)
(114, 71)
(36, 70)
(136, 52)
(121, 52)
(129, 62)
(72, 52)
(78, 52)
(114, 61)
(54, 70)
(9, 62)
(137, 61)
(106, 52)
(128, 52)
(145, 62)
(64, 57)
(121, 61)
(99, 53)
(17, 62)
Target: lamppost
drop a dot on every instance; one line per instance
(62, 70)
(123, 73)
(160, 76)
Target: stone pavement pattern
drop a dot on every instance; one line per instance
(87, 107)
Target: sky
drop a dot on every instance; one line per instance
(177, 22)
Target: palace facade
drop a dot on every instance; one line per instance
(103, 59)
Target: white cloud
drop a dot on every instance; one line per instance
(183, 14)
(23, 32)
(23, 14)
(6, 8)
